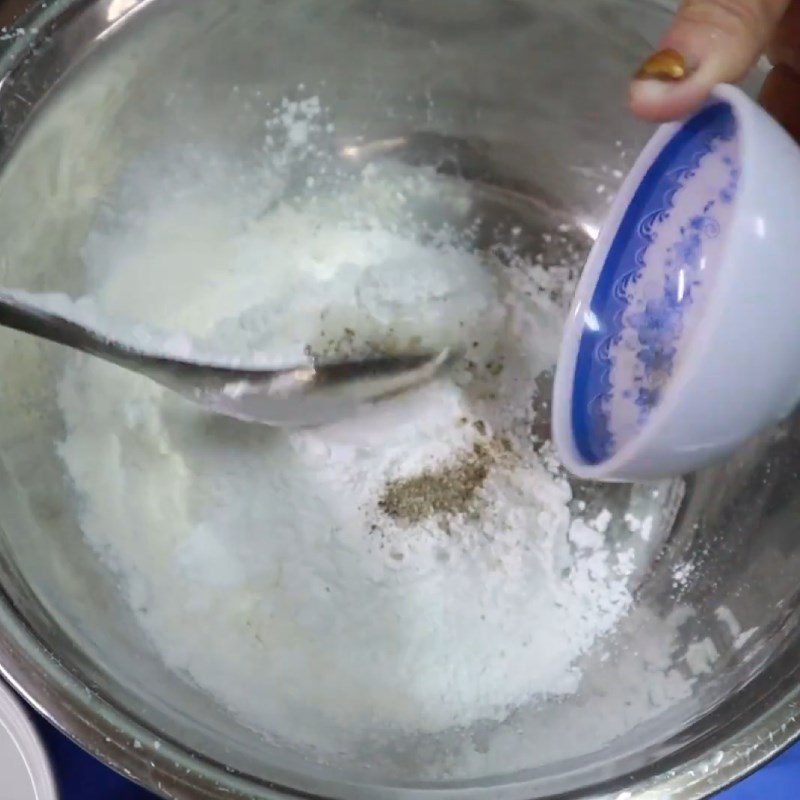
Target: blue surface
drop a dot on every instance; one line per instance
(81, 777)
(778, 780)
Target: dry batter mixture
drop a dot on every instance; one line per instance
(424, 566)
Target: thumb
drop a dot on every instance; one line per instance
(710, 42)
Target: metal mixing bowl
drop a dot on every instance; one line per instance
(524, 96)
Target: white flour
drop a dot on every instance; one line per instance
(262, 563)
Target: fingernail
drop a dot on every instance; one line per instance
(666, 65)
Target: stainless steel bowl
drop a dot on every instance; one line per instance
(525, 97)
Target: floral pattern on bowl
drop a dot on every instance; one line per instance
(655, 278)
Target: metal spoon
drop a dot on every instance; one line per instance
(295, 396)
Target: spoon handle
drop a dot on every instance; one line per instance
(21, 315)
(57, 325)
(293, 395)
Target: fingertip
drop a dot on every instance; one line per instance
(650, 100)
(659, 101)
(709, 42)
(670, 85)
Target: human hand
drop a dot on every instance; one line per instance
(718, 41)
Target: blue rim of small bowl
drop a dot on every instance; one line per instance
(652, 203)
(613, 466)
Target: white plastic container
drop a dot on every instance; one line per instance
(25, 772)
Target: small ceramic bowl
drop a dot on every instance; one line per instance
(683, 339)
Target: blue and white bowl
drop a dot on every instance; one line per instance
(684, 335)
